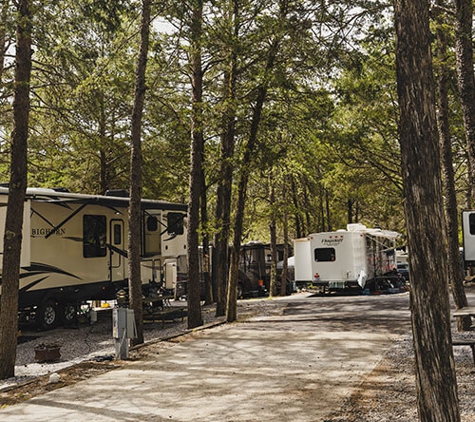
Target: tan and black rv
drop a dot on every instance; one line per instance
(75, 249)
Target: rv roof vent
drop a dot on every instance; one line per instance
(121, 193)
(65, 190)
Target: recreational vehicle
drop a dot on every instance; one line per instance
(255, 261)
(468, 231)
(358, 257)
(74, 249)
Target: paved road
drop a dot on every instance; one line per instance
(297, 365)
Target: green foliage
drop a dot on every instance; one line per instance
(327, 139)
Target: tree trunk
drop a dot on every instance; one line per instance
(298, 218)
(466, 79)
(231, 308)
(224, 194)
(3, 36)
(437, 397)
(16, 196)
(103, 152)
(273, 246)
(285, 267)
(455, 270)
(196, 159)
(208, 291)
(135, 279)
(261, 95)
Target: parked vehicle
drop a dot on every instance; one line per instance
(255, 262)
(356, 258)
(403, 269)
(468, 232)
(75, 246)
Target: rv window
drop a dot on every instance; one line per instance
(175, 223)
(117, 234)
(152, 223)
(471, 221)
(324, 254)
(94, 236)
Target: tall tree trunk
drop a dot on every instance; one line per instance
(3, 36)
(273, 245)
(284, 274)
(328, 212)
(208, 291)
(455, 271)
(298, 218)
(16, 196)
(350, 204)
(224, 194)
(466, 79)
(468, 190)
(135, 279)
(196, 159)
(231, 303)
(437, 397)
(104, 165)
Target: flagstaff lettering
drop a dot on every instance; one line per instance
(332, 242)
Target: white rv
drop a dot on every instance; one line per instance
(345, 258)
(74, 249)
(468, 231)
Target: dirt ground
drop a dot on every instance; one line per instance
(386, 394)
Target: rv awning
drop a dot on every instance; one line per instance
(52, 196)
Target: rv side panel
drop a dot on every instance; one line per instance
(303, 260)
(25, 247)
(468, 230)
(339, 258)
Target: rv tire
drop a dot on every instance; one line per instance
(239, 291)
(70, 314)
(47, 315)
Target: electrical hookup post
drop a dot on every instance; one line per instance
(123, 327)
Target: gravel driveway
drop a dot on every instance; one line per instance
(300, 358)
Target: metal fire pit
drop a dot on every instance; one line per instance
(47, 353)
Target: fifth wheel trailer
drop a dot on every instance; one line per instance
(357, 257)
(74, 249)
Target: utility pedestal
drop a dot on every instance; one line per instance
(123, 329)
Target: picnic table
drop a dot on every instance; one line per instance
(159, 308)
(465, 311)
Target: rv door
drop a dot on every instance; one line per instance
(117, 252)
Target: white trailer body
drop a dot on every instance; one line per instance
(468, 231)
(302, 260)
(345, 258)
(75, 247)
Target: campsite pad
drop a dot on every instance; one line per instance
(299, 364)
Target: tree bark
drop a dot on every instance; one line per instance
(3, 36)
(273, 244)
(16, 197)
(455, 270)
(466, 79)
(231, 303)
(437, 397)
(135, 279)
(196, 160)
(208, 291)
(285, 267)
(224, 193)
(261, 95)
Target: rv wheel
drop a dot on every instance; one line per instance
(70, 314)
(239, 291)
(47, 314)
